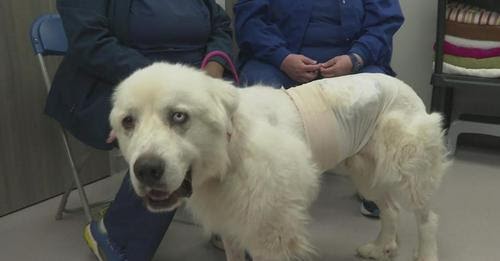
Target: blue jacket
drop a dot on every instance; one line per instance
(98, 59)
(269, 30)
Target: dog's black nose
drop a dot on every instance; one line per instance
(148, 169)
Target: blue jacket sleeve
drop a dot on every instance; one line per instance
(382, 19)
(257, 34)
(221, 38)
(91, 44)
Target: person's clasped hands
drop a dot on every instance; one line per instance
(337, 66)
(300, 68)
(304, 69)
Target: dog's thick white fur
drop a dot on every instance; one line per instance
(252, 173)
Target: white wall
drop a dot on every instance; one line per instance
(413, 53)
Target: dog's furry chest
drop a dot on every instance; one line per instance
(218, 206)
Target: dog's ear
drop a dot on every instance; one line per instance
(225, 96)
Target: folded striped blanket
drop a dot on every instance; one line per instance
(470, 43)
(463, 13)
(469, 52)
(486, 73)
(473, 31)
(472, 63)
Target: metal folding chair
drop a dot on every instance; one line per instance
(49, 39)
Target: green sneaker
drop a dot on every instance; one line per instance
(98, 241)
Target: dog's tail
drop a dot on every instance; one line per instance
(424, 171)
(415, 155)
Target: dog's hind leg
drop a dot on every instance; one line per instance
(427, 223)
(385, 246)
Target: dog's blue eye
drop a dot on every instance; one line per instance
(179, 117)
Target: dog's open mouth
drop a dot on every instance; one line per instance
(158, 199)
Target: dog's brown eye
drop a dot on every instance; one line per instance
(179, 117)
(128, 122)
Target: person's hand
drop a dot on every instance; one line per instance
(337, 66)
(300, 68)
(214, 69)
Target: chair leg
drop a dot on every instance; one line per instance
(447, 106)
(76, 179)
(64, 201)
(61, 210)
(452, 137)
(74, 171)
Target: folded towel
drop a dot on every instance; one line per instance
(472, 63)
(470, 43)
(477, 53)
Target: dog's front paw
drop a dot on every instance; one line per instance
(378, 251)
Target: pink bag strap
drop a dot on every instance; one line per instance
(224, 56)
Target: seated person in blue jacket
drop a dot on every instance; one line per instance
(108, 40)
(289, 42)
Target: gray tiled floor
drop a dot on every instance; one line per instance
(467, 203)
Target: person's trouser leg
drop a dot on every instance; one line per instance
(372, 69)
(131, 226)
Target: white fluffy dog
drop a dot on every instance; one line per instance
(242, 161)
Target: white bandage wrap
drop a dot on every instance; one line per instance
(334, 130)
(319, 124)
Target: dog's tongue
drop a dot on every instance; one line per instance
(158, 194)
